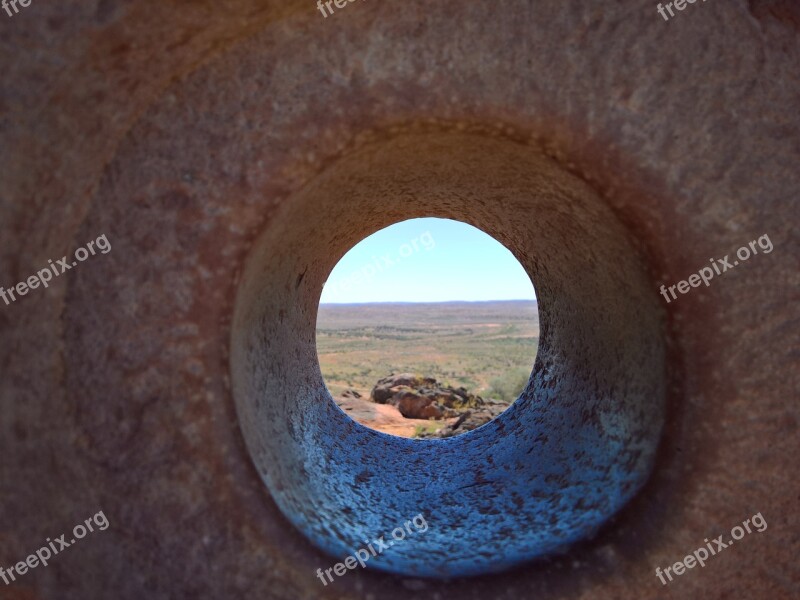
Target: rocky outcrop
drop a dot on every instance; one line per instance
(425, 398)
(469, 420)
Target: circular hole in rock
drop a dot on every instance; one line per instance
(575, 447)
(427, 329)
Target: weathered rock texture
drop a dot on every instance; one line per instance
(548, 472)
(184, 130)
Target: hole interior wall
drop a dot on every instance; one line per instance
(595, 395)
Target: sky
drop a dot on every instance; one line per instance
(427, 260)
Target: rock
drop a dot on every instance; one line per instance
(387, 387)
(423, 397)
(468, 420)
(414, 406)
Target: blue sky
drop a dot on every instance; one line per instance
(427, 260)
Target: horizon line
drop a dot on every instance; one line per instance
(427, 302)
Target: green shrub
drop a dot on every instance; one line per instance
(508, 387)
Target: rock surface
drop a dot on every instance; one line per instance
(182, 130)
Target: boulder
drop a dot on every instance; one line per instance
(388, 386)
(423, 397)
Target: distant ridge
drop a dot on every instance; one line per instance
(439, 303)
